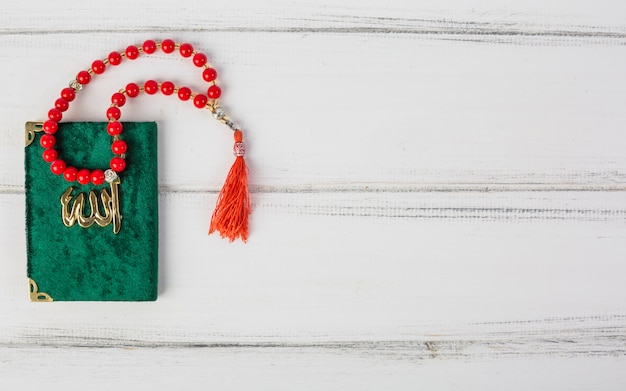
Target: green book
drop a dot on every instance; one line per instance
(71, 257)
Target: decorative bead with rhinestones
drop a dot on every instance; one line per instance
(75, 85)
(239, 149)
(110, 175)
(219, 113)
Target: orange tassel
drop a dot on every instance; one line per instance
(230, 217)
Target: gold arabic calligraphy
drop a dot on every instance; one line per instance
(110, 206)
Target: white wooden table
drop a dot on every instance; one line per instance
(438, 192)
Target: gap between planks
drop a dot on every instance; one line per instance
(441, 28)
(378, 188)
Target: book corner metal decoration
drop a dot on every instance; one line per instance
(92, 233)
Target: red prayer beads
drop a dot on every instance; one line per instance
(118, 99)
(50, 155)
(151, 87)
(98, 67)
(70, 174)
(83, 176)
(47, 141)
(57, 167)
(97, 177)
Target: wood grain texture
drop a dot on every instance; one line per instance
(438, 193)
(304, 369)
(444, 113)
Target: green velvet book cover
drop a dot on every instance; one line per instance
(93, 264)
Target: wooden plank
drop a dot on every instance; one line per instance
(343, 111)
(478, 17)
(438, 194)
(302, 368)
(351, 266)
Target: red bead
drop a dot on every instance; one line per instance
(119, 147)
(119, 99)
(114, 128)
(114, 113)
(209, 74)
(199, 59)
(167, 88)
(50, 127)
(50, 155)
(132, 90)
(118, 164)
(61, 104)
(98, 67)
(115, 58)
(70, 174)
(186, 50)
(132, 52)
(200, 101)
(97, 177)
(214, 92)
(83, 77)
(184, 93)
(151, 87)
(47, 141)
(57, 167)
(168, 46)
(55, 115)
(68, 94)
(83, 176)
(149, 46)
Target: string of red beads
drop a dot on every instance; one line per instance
(132, 90)
(114, 128)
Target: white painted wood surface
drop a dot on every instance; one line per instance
(438, 192)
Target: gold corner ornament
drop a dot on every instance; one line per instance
(32, 127)
(34, 294)
(110, 206)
